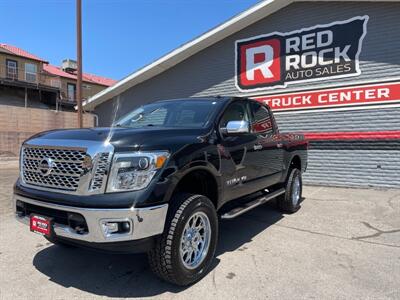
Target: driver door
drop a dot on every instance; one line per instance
(237, 150)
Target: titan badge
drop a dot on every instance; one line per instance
(236, 180)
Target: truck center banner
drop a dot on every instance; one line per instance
(316, 53)
(383, 93)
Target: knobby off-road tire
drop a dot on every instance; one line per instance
(166, 259)
(289, 202)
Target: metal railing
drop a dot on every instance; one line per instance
(21, 75)
(38, 80)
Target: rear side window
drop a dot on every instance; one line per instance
(262, 121)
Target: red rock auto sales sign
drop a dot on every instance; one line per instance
(372, 94)
(317, 53)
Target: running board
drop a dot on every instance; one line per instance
(252, 204)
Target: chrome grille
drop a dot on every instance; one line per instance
(101, 170)
(66, 171)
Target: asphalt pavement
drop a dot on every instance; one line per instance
(342, 244)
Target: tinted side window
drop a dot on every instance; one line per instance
(236, 111)
(262, 121)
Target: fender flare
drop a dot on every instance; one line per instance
(192, 167)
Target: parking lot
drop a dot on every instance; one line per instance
(343, 243)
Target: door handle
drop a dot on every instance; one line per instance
(279, 145)
(257, 146)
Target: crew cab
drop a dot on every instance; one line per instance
(159, 180)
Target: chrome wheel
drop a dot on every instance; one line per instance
(296, 191)
(195, 240)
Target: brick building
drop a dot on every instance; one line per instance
(30, 81)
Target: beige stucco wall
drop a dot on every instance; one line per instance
(20, 65)
(88, 90)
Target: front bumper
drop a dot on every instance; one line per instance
(144, 222)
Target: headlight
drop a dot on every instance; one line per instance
(134, 171)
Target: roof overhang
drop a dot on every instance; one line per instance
(233, 25)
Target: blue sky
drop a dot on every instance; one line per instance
(119, 36)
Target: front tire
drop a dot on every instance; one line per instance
(289, 202)
(185, 251)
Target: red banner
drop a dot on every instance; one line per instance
(385, 93)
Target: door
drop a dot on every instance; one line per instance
(71, 91)
(236, 151)
(270, 156)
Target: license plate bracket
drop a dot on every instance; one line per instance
(41, 225)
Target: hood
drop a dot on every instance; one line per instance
(129, 139)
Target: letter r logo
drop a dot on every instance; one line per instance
(252, 64)
(258, 63)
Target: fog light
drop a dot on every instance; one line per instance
(114, 227)
(110, 227)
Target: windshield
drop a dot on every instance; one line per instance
(190, 113)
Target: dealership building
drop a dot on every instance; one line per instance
(328, 69)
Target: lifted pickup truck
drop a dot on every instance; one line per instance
(159, 180)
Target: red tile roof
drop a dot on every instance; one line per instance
(54, 70)
(20, 52)
(98, 79)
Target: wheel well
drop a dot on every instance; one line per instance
(296, 162)
(199, 182)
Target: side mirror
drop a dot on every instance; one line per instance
(237, 127)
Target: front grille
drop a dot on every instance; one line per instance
(101, 170)
(67, 167)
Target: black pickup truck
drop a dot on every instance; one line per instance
(159, 180)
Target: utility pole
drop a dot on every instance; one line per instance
(79, 60)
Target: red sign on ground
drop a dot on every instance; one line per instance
(384, 93)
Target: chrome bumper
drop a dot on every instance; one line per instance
(145, 222)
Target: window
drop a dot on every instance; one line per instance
(30, 72)
(71, 91)
(179, 113)
(154, 118)
(86, 87)
(262, 122)
(237, 111)
(55, 83)
(12, 69)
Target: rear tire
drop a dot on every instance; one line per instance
(185, 251)
(289, 202)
